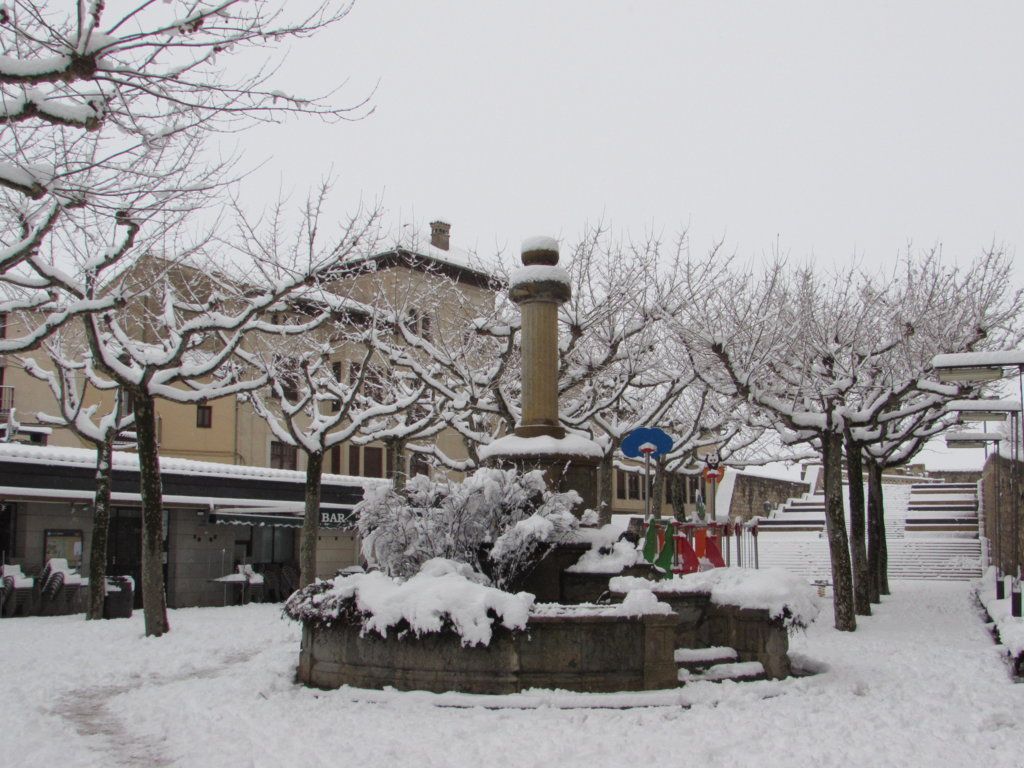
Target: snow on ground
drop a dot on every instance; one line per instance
(919, 684)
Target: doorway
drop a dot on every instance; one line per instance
(124, 547)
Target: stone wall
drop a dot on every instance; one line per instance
(194, 559)
(753, 633)
(750, 493)
(998, 513)
(35, 518)
(570, 652)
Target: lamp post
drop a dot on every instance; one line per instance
(992, 366)
(986, 411)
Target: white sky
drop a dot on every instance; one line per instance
(836, 130)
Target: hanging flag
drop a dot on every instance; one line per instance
(664, 560)
(651, 543)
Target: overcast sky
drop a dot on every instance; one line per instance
(831, 130)
(834, 129)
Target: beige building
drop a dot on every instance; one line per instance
(439, 290)
(236, 514)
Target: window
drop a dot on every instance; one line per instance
(204, 416)
(373, 382)
(628, 485)
(272, 544)
(127, 404)
(282, 455)
(373, 462)
(419, 465)
(336, 460)
(420, 323)
(633, 484)
(8, 520)
(288, 373)
(368, 461)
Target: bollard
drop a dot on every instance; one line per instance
(1015, 601)
(1000, 589)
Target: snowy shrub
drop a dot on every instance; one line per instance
(444, 596)
(496, 521)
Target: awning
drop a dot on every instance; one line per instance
(331, 516)
(257, 518)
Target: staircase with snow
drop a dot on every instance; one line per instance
(931, 533)
(715, 665)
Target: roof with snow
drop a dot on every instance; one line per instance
(993, 406)
(1010, 357)
(420, 254)
(68, 474)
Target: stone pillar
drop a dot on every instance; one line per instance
(569, 462)
(538, 289)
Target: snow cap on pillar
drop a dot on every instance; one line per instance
(539, 251)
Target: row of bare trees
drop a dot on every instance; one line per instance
(108, 111)
(842, 362)
(130, 290)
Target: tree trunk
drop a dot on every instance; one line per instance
(154, 599)
(678, 496)
(605, 477)
(835, 525)
(100, 529)
(878, 554)
(311, 520)
(858, 545)
(875, 532)
(398, 474)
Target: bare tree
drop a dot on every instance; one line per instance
(96, 99)
(173, 335)
(897, 406)
(94, 409)
(100, 103)
(791, 345)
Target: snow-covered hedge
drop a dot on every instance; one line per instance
(497, 521)
(784, 595)
(444, 595)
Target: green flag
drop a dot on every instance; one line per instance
(664, 560)
(651, 543)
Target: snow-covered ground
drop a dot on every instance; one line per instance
(919, 684)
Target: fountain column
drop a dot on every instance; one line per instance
(539, 288)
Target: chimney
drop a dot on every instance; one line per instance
(440, 234)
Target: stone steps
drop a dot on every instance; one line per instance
(715, 665)
(950, 558)
(931, 530)
(738, 671)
